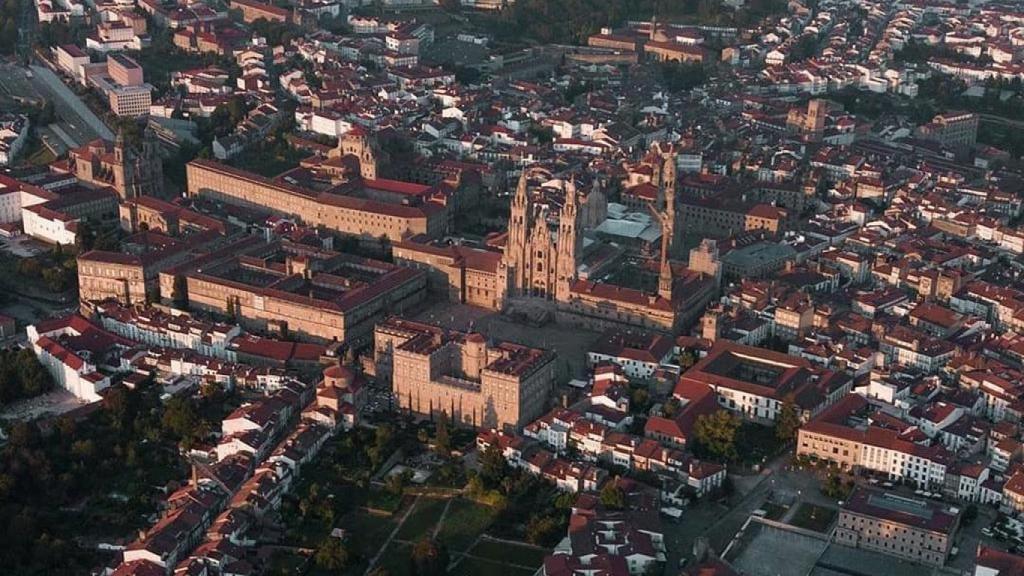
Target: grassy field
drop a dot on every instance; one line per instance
(813, 517)
(477, 567)
(503, 552)
(397, 559)
(423, 519)
(465, 521)
(460, 532)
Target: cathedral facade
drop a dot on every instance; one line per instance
(543, 240)
(544, 249)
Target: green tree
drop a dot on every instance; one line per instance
(22, 376)
(182, 421)
(331, 555)
(679, 76)
(787, 422)
(493, 467)
(429, 558)
(382, 445)
(396, 483)
(442, 438)
(716, 433)
(543, 530)
(612, 496)
(833, 487)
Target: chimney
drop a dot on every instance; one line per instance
(195, 476)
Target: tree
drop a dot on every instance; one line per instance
(970, 514)
(687, 359)
(542, 530)
(679, 76)
(442, 438)
(493, 467)
(396, 483)
(787, 422)
(429, 558)
(612, 496)
(22, 376)
(833, 487)
(331, 555)
(716, 433)
(383, 438)
(181, 420)
(671, 407)
(543, 134)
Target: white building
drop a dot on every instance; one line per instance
(13, 134)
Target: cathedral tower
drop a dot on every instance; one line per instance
(568, 241)
(543, 241)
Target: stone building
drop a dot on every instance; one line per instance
(465, 274)
(681, 294)
(134, 277)
(131, 172)
(543, 241)
(911, 529)
(295, 289)
(366, 208)
(956, 131)
(545, 263)
(473, 381)
(363, 147)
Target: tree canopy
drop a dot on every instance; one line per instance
(787, 422)
(612, 496)
(429, 558)
(22, 376)
(716, 434)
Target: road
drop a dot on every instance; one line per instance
(719, 523)
(70, 107)
(46, 86)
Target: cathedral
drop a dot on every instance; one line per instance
(544, 249)
(543, 239)
(362, 147)
(132, 172)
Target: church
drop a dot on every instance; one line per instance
(131, 171)
(544, 247)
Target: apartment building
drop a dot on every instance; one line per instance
(755, 383)
(957, 131)
(852, 435)
(920, 531)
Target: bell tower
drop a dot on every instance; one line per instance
(568, 241)
(515, 247)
